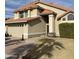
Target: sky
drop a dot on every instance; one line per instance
(11, 5)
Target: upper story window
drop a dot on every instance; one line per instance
(70, 17)
(21, 14)
(26, 14)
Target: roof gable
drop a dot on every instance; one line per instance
(56, 6)
(62, 15)
(34, 5)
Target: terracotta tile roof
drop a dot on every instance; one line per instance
(26, 7)
(20, 20)
(60, 16)
(45, 11)
(57, 6)
(34, 5)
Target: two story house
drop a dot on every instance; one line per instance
(38, 18)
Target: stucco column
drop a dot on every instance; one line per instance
(16, 15)
(25, 31)
(51, 23)
(29, 13)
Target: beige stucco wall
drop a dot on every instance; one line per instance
(36, 27)
(16, 15)
(34, 13)
(17, 30)
(58, 11)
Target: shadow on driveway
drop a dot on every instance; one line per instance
(12, 42)
(35, 51)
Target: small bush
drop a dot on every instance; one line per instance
(6, 35)
(66, 30)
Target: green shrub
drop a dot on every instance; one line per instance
(66, 30)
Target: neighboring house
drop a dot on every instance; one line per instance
(38, 18)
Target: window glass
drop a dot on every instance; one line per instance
(21, 14)
(26, 13)
(70, 17)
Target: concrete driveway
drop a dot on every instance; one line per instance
(15, 46)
